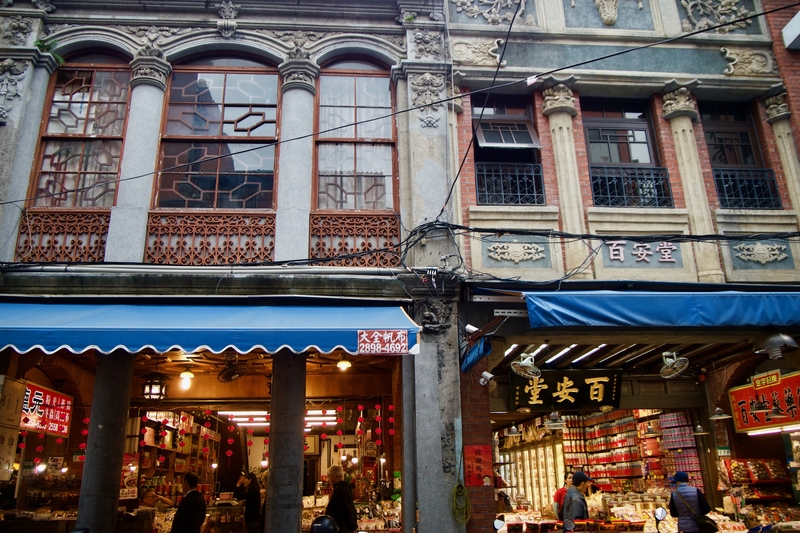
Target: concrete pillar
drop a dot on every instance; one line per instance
(778, 114)
(409, 432)
(127, 230)
(287, 420)
(679, 108)
(559, 107)
(296, 162)
(19, 139)
(99, 497)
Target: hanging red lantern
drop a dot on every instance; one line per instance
(40, 449)
(161, 458)
(340, 445)
(206, 436)
(21, 445)
(230, 440)
(378, 431)
(391, 420)
(42, 435)
(82, 445)
(205, 449)
(378, 442)
(184, 418)
(165, 422)
(207, 425)
(81, 458)
(249, 431)
(377, 407)
(361, 419)
(305, 447)
(339, 432)
(390, 407)
(37, 460)
(228, 452)
(360, 432)
(339, 408)
(163, 445)
(378, 418)
(323, 436)
(143, 431)
(249, 443)
(84, 432)
(340, 421)
(231, 427)
(86, 420)
(360, 407)
(59, 440)
(181, 444)
(207, 412)
(26, 420)
(182, 431)
(142, 442)
(162, 433)
(391, 432)
(23, 433)
(266, 441)
(250, 419)
(144, 418)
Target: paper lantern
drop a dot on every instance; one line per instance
(163, 445)
(184, 419)
(143, 431)
(231, 427)
(207, 425)
(59, 440)
(161, 458)
(41, 435)
(81, 458)
(207, 412)
(378, 442)
(23, 433)
(182, 431)
(144, 418)
(142, 443)
(378, 431)
(378, 418)
(339, 408)
(360, 407)
(377, 407)
(391, 432)
(37, 460)
(21, 445)
(391, 407)
(230, 440)
(205, 449)
(323, 436)
(249, 431)
(249, 443)
(82, 445)
(40, 449)
(229, 452)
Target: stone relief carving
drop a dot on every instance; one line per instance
(558, 98)
(608, 10)
(397, 40)
(435, 315)
(11, 74)
(44, 5)
(706, 13)
(17, 30)
(478, 53)
(437, 17)
(6, 3)
(153, 34)
(516, 251)
(149, 50)
(406, 16)
(227, 11)
(50, 29)
(299, 77)
(777, 108)
(149, 68)
(426, 91)
(298, 53)
(679, 102)
(427, 43)
(745, 62)
(456, 100)
(760, 252)
(495, 11)
(299, 38)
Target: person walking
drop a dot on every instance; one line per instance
(340, 506)
(690, 501)
(191, 511)
(575, 507)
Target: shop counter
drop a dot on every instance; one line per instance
(65, 526)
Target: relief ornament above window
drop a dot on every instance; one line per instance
(227, 11)
(608, 10)
(703, 14)
(747, 62)
(516, 251)
(478, 52)
(11, 74)
(495, 11)
(760, 252)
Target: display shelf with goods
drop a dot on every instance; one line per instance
(378, 516)
(758, 481)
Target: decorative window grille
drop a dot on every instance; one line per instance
(218, 143)
(732, 146)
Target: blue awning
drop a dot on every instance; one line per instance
(662, 309)
(79, 327)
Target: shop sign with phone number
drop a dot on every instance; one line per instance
(382, 342)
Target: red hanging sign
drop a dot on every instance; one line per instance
(46, 410)
(773, 390)
(478, 465)
(382, 342)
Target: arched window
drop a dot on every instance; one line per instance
(82, 138)
(356, 141)
(217, 146)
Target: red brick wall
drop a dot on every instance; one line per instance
(582, 157)
(788, 61)
(466, 179)
(769, 149)
(666, 149)
(477, 429)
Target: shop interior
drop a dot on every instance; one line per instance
(208, 414)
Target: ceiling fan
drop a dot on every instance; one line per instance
(673, 365)
(526, 368)
(233, 369)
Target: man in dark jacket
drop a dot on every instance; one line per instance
(340, 505)
(191, 511)
(575, 507)
(696, 500)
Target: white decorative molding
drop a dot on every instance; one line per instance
(748, 62)
(17, 30)
(760, 252)
(515, 251)
(427, 44)
(558, 98)
(495, 11)
(679, 102)
(11, 74)
(608, 10)
(706, 13)
(226, 24)
(478, 52)
(777, 107)
(426, 91)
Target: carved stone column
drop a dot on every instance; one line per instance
(679, 108)
(23, 91)
(559, 107)
(296, 162)
(778, 114)
(127, 231)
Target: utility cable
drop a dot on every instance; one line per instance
(422, 106)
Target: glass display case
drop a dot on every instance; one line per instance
(532, 472)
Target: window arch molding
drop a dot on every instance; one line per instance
(260, 51)
(76, 41)
(373, 50)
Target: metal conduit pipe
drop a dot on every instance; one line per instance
(217, 270)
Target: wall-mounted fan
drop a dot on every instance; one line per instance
(673, 365)
(233, 369)
(526, 368)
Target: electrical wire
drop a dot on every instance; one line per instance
(422, 106)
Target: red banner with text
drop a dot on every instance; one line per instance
(46, 410)
(749, 403)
